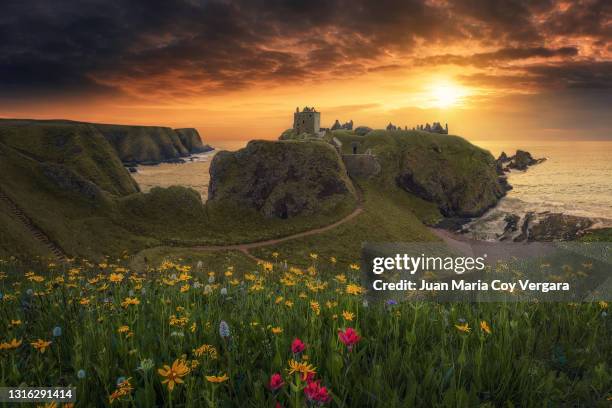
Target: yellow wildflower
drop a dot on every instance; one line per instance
(217, 379)
(130, 301)
(123, 388)
(13, 344)
(115, 277)
(297, 367)
(484, 326)
(40, 345)
(277, 330)
(348, 315)
(315, 307)
(207, 349)
(353, 289)
(463, 327)
(173, 375)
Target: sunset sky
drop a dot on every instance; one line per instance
(237, 70)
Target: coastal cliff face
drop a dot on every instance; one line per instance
(152, 144)
(190, 138)
(71, 156)
(460, 178)
(281, 179)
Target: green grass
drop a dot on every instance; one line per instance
(16, 239)
(390, 215)
(411, 354)
(598, 235)
(447, 170)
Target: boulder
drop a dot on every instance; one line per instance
(280, 179)
(557, 227)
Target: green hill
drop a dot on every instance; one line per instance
(457, 176)
(282, 179)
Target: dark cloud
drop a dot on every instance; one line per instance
(488, 59)
(202, 46)
(576, 75)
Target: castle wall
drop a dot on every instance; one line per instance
(307, 122)
(361, 165)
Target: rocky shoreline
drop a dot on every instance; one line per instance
(133, 166)
(532, 226)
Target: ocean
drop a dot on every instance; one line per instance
(575, 179)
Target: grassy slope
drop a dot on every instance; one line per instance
(79, 147)
(78, 225)
(599, 235)
(390, 214)
(16, 239)
(455, 151)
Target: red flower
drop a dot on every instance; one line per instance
(297, 346)
(349, 337)
(276, 382)
(309, 377)
(314, 392)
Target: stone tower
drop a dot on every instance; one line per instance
(306, 121)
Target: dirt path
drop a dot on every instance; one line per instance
(244, 248)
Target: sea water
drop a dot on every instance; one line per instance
(575, 179)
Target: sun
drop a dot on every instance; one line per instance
(447, 94)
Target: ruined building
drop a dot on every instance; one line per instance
(306, 121)
(436, 127)
(391, 126)
(346, 126)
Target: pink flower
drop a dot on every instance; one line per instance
(297, 346)
(349, 337)
(276, 382)
(314, 392)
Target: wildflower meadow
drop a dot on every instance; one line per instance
(179, 335)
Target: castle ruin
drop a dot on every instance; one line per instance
(345, 126)
(306, 121)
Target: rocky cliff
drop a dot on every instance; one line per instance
(281, 179)
(460, 178)
(190, 138)
(152, 144)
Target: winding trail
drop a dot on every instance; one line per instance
(244, 248)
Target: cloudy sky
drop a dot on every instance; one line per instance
(238, 69)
